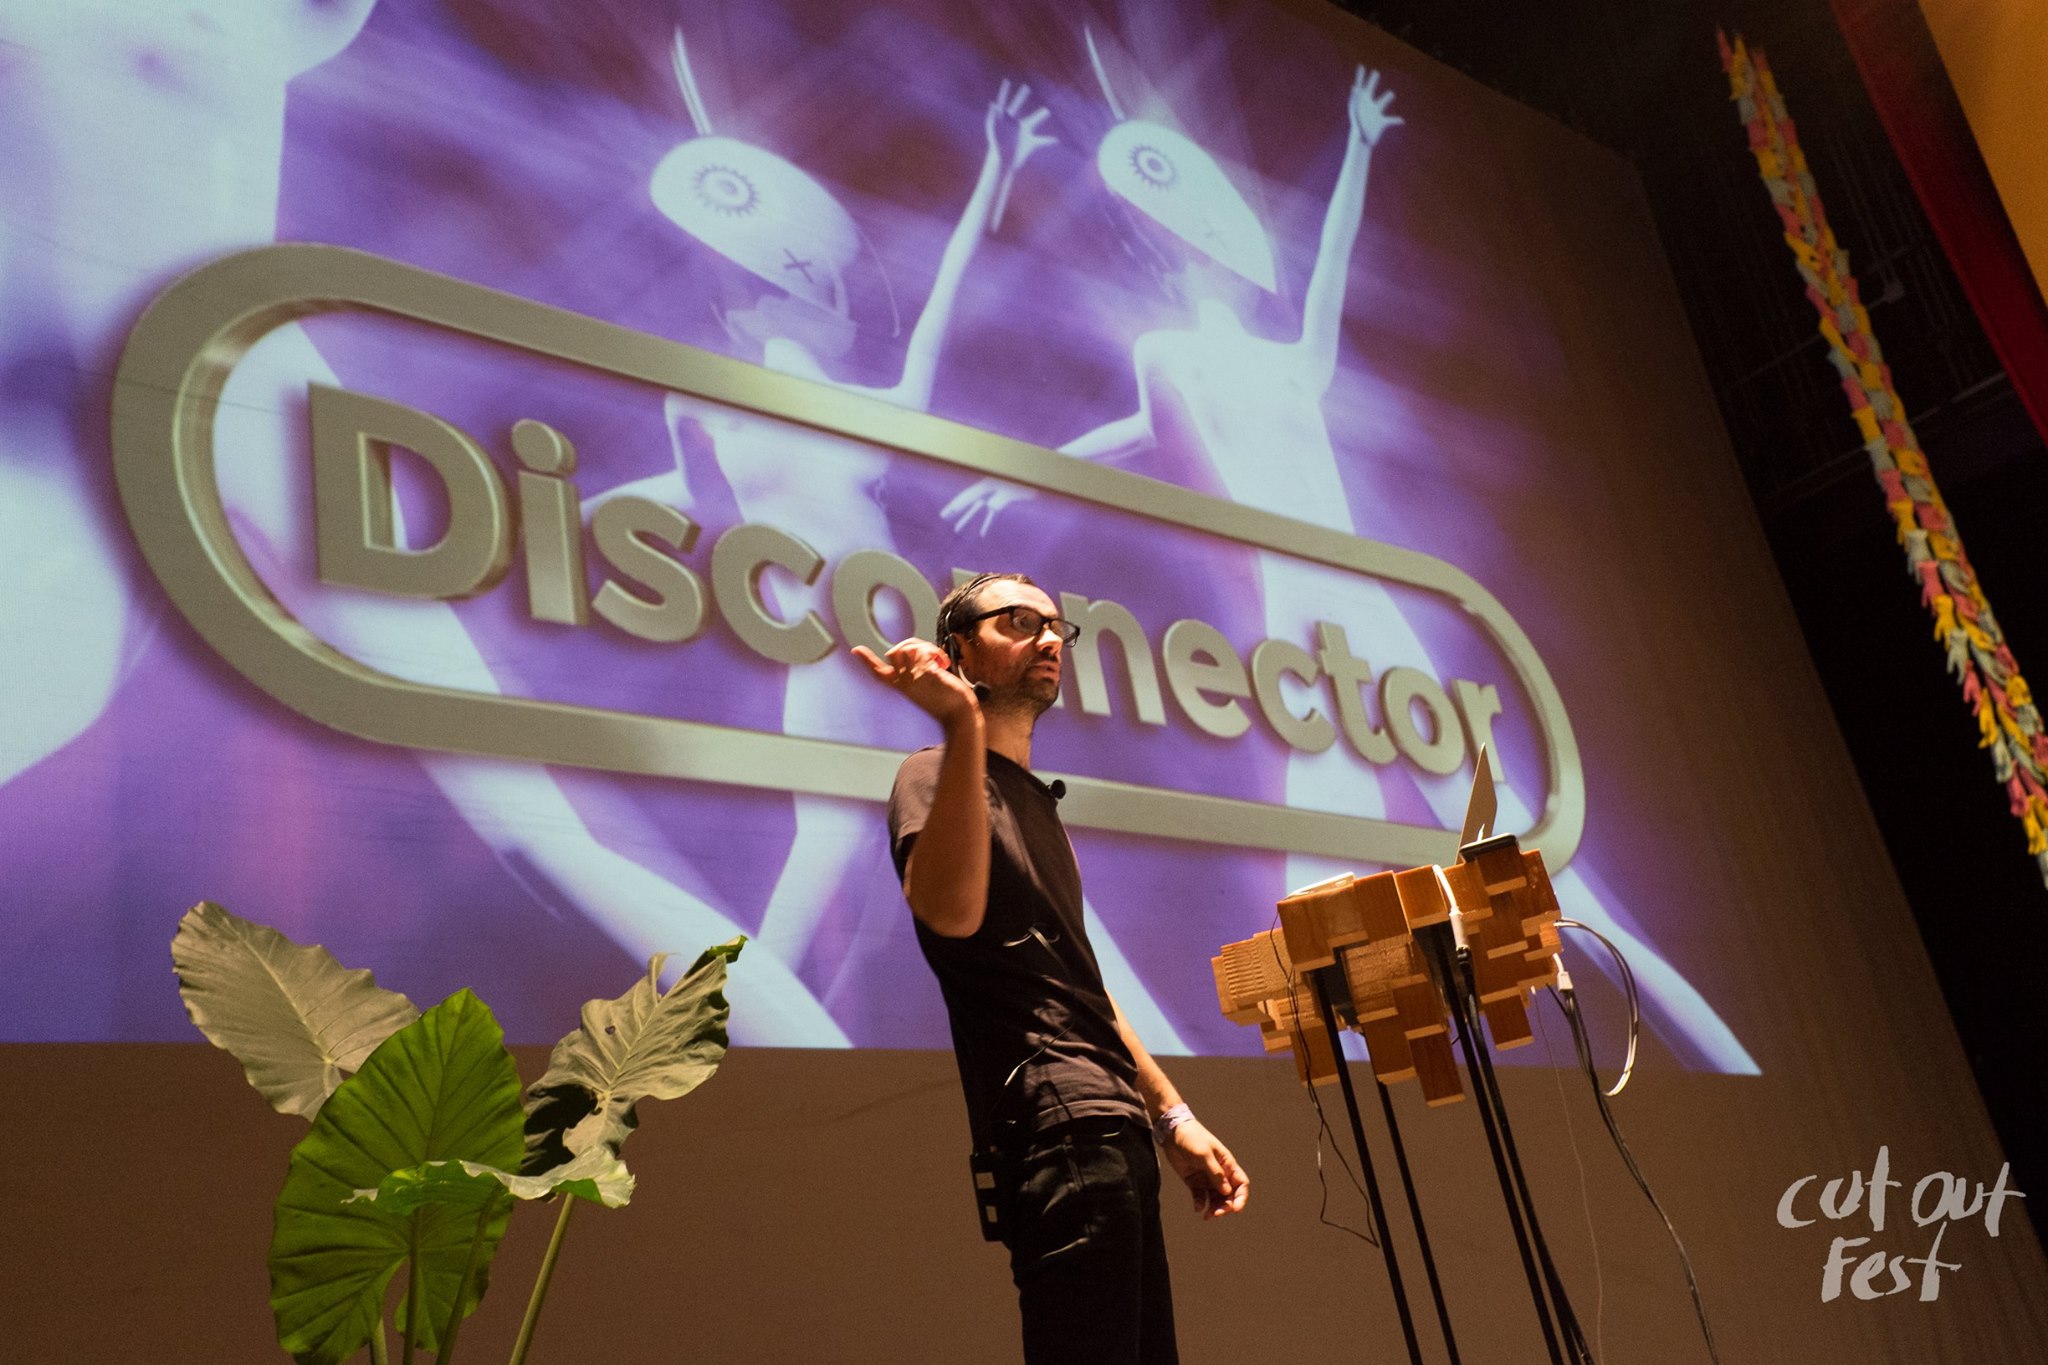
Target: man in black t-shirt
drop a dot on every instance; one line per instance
(1063, 1101)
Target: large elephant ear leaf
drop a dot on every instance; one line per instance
(442, 1089)
(647, 1044)
(597, 1176)
(295, 1018)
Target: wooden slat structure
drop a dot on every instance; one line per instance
(1366, 926)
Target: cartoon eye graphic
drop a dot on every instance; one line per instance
(725, 190)
(1153, 166)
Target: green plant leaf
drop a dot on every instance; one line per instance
(597, 1176)
(647, 1044)
(295, 1018)
(441, 1089)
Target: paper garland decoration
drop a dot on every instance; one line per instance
(2008, 723)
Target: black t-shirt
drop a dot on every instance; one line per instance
(1033, 1030)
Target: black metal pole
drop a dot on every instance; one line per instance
(1436, 1288)
(1372, 1184)
(1567, 1320)
(1437, 937)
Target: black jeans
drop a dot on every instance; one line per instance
(1085, 1247)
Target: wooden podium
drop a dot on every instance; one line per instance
(1366, 927)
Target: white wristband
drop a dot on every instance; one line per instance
(1170, 1118)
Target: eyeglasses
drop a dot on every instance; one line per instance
(1030, 624)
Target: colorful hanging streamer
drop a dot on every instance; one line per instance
(2008, 724)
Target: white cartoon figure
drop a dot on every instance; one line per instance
(132, 145)
(1253, 407)
(142, 141)
(785, 230)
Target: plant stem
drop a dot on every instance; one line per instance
(380, 1350)
(413, 1276)
(540, 1283)
(476, 1246)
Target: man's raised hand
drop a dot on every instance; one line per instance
(920, 671)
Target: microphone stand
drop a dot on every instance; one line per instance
(1436, 1288)
(1319, 982)
(1452, 964)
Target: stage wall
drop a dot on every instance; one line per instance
(450, 448)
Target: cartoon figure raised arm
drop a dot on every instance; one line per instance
(1322, 307)
(780, 225)
(763, 213)
(1168, 179)
(1012, 138)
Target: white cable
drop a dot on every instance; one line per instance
(1628, 988)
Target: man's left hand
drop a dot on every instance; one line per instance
(1218, 1184)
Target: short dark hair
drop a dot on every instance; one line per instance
(956, 612)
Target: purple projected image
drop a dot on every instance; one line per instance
(1092, 234)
